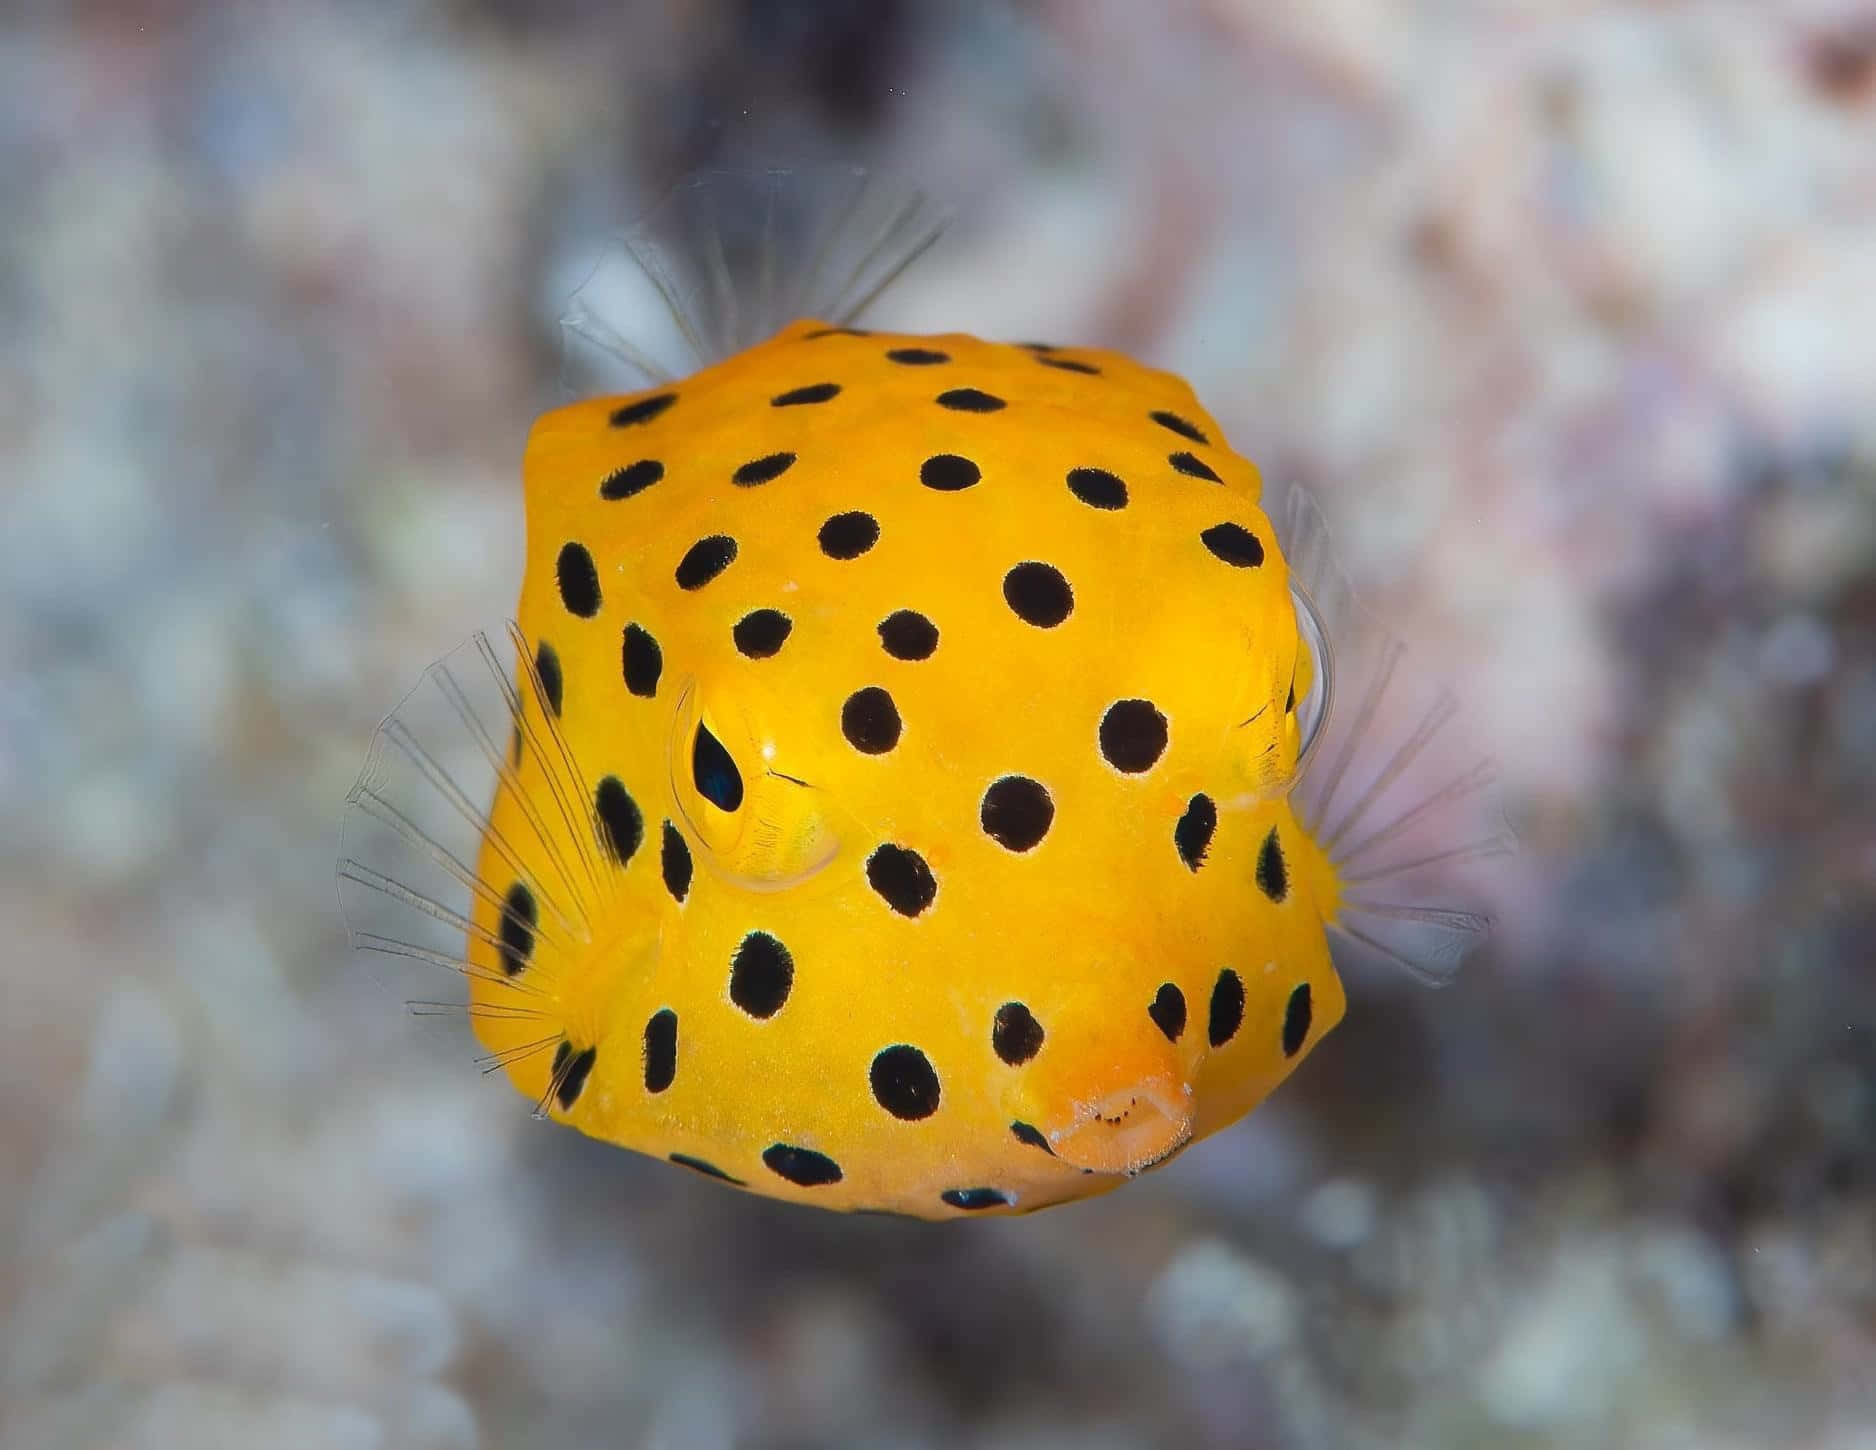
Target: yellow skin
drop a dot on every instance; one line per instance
(1084, 929)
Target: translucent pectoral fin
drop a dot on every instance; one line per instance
(1399, 802)
(469, 844)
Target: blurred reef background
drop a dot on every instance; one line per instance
(1565, 311)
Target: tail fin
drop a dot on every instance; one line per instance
(1387, 785)
(728, 258)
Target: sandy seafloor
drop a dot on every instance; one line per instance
(1565, 311)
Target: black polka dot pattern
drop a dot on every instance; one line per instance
(1016, 812)
(1273, 877)
(660, 1050)
(675, 863)
(643, 411)
(1030, 1136)
(904, 1083)
(1192, 466)
(918, 357)
(547, 670)
(975, 1198)
(848, 535)
(802, 1167)
(619, 819)
(1296, 1018)
(1168, 1011)
(634, 478)
(578, 578)
(1236, 545)
(870, 721)
(520, 917)
(763, 470)
(761, 975)
(1183, 427)
(760, 633)
(1133, 735)
(813, 393)
(1227, 1014)
(948, 473)
(1193, 835)
(570, 1072)
(1069, 365)
(1015, 1035)
(1038, 594)
(902, 879)
(704, 560)
(908, 635)
(1097, 488)
(970, 400)
(642, 661)
(709, 1170)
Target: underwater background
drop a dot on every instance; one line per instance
(1565, 312)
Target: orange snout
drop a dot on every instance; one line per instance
(1110, 1102)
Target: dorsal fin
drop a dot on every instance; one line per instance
(730, 257)
(1389, 787)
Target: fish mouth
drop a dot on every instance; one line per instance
(1128, 1131)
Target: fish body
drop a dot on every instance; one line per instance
(1009, 902)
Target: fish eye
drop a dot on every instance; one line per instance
(1317, 665)
(717, 778)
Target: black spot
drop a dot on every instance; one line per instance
(1097, 488)
(948, 473)
(1193, 467)
(870, 721)
(908, 635)
(1193, 834)
(849, 535)
(1039, 594)
(713, 772)
(761, 973)
(813, 393)
(642, 660)
(1235, 545)
(519, 918)
(1133, 735)
(1273, 877)
(802, 1167)
(633, 478)
(974, 1198)
(1168, 1011)
(902, 878)
(1227, 1008)
(660, 1050)
(1038, 346)
(643, 411)
(1296, 1015)
(1069, 365)
(970, 400)
(904, 1083)
(835, 332)
(763, 470)
(619, 816)
(704, 560)
(760, 633)
(676, 863)
(918, 356)
(1031, 1137)
(1015, 1034)
(1016, 812)
(709, 1170)
(579, 580)
(1180, 426)
(547, 667)
(570, 1070)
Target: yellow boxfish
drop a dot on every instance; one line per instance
(895, 802)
